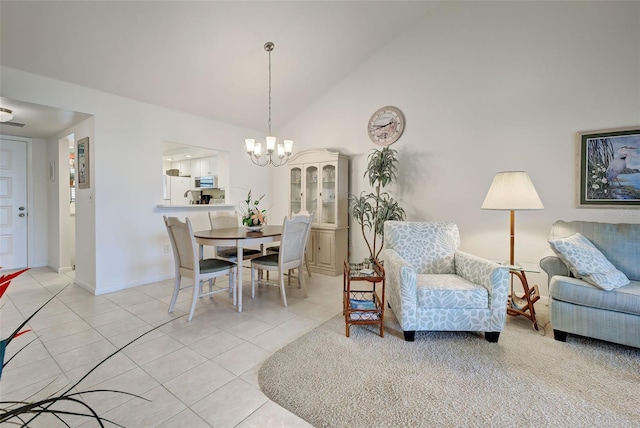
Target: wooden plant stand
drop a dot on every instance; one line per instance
(362, 305)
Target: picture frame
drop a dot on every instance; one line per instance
(608, 168)
(83, 175)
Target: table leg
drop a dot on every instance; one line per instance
(239, 281)
(531, 296)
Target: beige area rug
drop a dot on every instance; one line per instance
(454, 379)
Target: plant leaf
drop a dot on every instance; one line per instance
(5, 280)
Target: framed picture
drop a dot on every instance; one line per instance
(83, 166)
(609, 168)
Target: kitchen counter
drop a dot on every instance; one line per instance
(197, 206)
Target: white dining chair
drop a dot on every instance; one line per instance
(223, 220)
(276, 248)
(187, 263)
(295, 233)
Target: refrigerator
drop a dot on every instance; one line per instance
(175, 189)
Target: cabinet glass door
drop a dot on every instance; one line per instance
(311, 191)
(328, 194)
(295, 191)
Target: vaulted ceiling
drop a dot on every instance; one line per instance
(205, 57)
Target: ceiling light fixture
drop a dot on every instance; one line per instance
(5, 114)
(283, 150)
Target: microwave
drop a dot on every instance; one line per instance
(206, 182)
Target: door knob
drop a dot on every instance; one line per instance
(21, 215)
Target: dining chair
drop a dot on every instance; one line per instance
(276, 248)
(188, 263)
(295, 233)
(223, 220)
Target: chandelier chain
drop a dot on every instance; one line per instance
(276, 154)
(269, 91)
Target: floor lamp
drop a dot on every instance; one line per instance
(512, 191)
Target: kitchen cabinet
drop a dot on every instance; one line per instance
(318, 183)
(203, 166)
(183, 166)
(208, 166)
(195, 167)
(195, 171)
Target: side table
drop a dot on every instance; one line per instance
(523, 305)
(362, 303)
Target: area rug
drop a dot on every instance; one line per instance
(454, 379)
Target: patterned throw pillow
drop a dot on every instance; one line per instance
(587, 262)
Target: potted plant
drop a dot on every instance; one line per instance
(252, 215)
(371, 210)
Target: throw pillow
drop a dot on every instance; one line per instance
(587, 262)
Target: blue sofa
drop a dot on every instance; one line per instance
(576, 306)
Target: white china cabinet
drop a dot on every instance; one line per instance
(318, 183)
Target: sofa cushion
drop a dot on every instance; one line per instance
(619, 242)
(587, 262)
(572, 290)
(451, 292)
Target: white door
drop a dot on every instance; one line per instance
(13, 204)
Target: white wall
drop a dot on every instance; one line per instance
(488, 87)
(484, 86)
(67, 220)
(120, 232)
(38, 209)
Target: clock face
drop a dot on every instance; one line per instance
(386, 126)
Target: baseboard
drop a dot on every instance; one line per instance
(114, 288)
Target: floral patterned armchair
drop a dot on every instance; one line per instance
(433, 286)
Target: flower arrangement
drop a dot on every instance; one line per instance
(252, 215)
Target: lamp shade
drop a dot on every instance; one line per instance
(512, 190)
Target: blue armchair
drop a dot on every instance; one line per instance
(432, 286)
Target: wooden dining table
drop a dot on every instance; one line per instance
(238, 237)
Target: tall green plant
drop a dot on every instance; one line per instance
(371, 210)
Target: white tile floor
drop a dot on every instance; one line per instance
(197, 374)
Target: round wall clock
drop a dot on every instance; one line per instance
(386, 125)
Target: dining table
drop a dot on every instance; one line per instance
(239, 237)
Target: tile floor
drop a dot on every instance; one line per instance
(197, 374)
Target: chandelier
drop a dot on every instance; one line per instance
(276, 154)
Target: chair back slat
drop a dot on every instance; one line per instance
(295, 234)
(182, 242)
(188, 264)
(303, 213)
(223, 220)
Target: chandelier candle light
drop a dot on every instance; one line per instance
(254, 150)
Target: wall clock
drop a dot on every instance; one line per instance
(386, 125)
